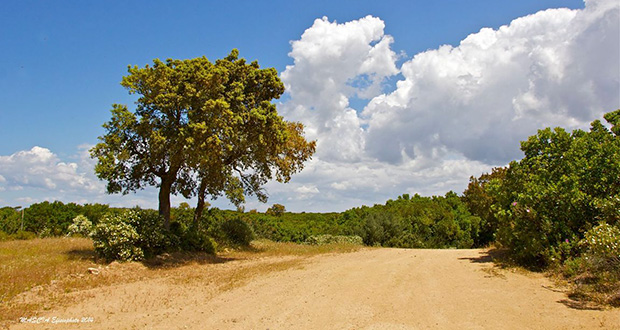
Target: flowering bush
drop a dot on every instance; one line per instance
(603, 244)
(80, 226)
(115, 239)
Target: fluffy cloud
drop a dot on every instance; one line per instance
(457, 112)
(38, 174)
(557, 67)
(40, 168)
(332, 63)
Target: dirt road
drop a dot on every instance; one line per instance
(368, 289)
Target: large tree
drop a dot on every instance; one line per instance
(200, 129)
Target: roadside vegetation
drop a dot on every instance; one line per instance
(558, 208)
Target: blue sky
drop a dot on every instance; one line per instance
(62, 61)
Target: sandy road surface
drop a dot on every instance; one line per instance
(368, 289)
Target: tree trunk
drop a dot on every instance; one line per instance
(164, 200)
(201, 202)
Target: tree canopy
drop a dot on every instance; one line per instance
(200, 129)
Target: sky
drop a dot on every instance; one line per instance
(401, 96)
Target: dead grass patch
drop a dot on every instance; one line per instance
(41, 274)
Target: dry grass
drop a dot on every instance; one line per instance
(33, 265)
(26, 264)
(40, 274)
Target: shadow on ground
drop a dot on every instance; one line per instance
(178, 259)
(162, 261)
(580, 304)
(488, 256)
(81, 254)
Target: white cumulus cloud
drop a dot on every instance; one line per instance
(332, 63)
(457, 111)
(42, 169)
(558, 67)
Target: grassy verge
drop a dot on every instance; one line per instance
(588, 283)
(592, 283)
(25, 264)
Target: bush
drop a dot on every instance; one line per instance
(80, 226)
(134, 235)
(563, 186)
(24, 235)
(197, 240)
(330, 239)
(378, 228)
(115, 239)
(602, 245)
(237, 232)
(153, 236)
(596, 273)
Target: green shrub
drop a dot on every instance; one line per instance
(153, 236)
(237, 232)
(197, 240)
(115, 239)
(564, 185)
(596, 273)
(80, 226)
(24, 235)
(379, 227)
(133, 235)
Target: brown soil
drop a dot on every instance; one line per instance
(367, 289)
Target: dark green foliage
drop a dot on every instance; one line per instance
(480, 202)
(153, 237)
(197, 240)
(565, 185)
(94, 212)
(10, 220)
(237, 232)
(380, 228)
(415, 222)
(293, 227)
(49, 219)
